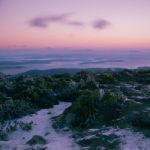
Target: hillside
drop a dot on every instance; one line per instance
(107, 107)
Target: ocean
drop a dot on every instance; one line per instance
(17, 61)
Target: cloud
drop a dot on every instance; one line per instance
(101, 24)
(65, 19)
(75, 23)
(102, 61)
(43, 22)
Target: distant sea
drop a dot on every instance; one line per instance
(17, 61)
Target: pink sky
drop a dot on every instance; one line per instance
(75, 23)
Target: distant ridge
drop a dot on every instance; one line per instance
(69, 70)
(2, 75)
(74, 70)
(144, 68)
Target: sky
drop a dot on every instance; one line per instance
(77, 24)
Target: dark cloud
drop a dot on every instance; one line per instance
(65, 19)
(101, 24)
(43, 22)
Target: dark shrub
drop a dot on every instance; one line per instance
(90, 110)
(85, 108)
(111, 107)
(43, 98)
(106, 78)
(67, 94)
(141, 119)
(90, 85)
(12, 109)
(80, 75)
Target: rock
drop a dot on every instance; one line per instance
(37, 147)
(96, 142)
(36, 139)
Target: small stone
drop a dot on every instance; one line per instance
(36, 139)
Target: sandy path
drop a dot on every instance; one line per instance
(130, 140)
(42, 125)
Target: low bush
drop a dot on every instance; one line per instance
(12, 109)
(90, 110)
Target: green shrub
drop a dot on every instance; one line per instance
(43, 98)
(90, 85)
(3, 135)
(67, 94)
(25, 126)
(106, 78)
(80, 75)
(141, 119)
(111, 107)
(12, 109)
(90, 110)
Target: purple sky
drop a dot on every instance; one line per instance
(75, 23)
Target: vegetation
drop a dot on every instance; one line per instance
(120, 98)
(91, 110)
(11, 109)
(124, 101)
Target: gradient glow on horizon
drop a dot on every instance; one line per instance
(87, 24)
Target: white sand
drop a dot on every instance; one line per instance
(130, 140)
(42, 125)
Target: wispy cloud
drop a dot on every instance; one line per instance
(101, 24)
(101, 61)
(43, 22)
(67, 20)
(75, 23)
